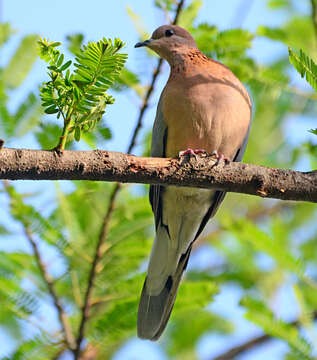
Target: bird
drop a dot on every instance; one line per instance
(203, 107)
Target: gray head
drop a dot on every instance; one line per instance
(168, 39)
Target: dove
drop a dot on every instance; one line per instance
(203, 108)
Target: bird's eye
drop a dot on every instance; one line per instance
(169, 33)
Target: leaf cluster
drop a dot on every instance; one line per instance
(80, 97)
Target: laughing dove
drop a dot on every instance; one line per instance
(203, 106)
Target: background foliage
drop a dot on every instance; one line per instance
(259, 252)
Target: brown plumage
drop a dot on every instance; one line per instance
(203, 106)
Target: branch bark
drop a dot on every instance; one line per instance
(202, 172)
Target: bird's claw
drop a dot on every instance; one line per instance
(191, 152)
(220, 157)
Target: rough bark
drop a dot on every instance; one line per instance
(202, 172)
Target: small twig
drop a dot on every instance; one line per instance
(250, 344)
(238, 350)
(69, 338)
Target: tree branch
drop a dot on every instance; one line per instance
(250, 344)
(69, 338)
(201, 172)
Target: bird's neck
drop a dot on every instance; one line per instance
(181, 62)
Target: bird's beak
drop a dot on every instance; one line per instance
(143, 43)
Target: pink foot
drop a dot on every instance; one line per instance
(192, 152)
(220, 157)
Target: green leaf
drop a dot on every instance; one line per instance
(66, 65)
(273, 246)
(165, 5)
(186, 329)
(98, 66)
(51, 110)
(77, 133)
(233, 42)
(105, 132)
(258, 313)
(75, 42)
(27, 116)
(272, 33)
(21, 62)
(195, 295)
(305, 66)
(278, 4)
(4, 230)
(189, 14)
(60, 60)
(5, 32)
(47, 134)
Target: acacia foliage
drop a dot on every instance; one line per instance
(259, 249)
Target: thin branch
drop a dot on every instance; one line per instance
(250, 344)
(200, 172)
(92, 275)
(113, 196)
(66, 328)
(69, 338)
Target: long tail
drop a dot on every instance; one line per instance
(155, 310)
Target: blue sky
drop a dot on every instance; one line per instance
(97, 19)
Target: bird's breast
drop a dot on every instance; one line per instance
(202, 112)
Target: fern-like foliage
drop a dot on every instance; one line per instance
(80, 97)
(261, 315)
(305, 66)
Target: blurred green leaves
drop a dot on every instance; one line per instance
(21, 62)
(258, 313)
(26, 116)
(5, 32)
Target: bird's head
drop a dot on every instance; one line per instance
(168, 39)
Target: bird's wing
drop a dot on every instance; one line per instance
(220, 195)
(159, 138)
(175, 233)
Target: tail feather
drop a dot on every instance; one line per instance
(155, 310)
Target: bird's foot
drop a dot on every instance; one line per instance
(220, 157)
(191, 152)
